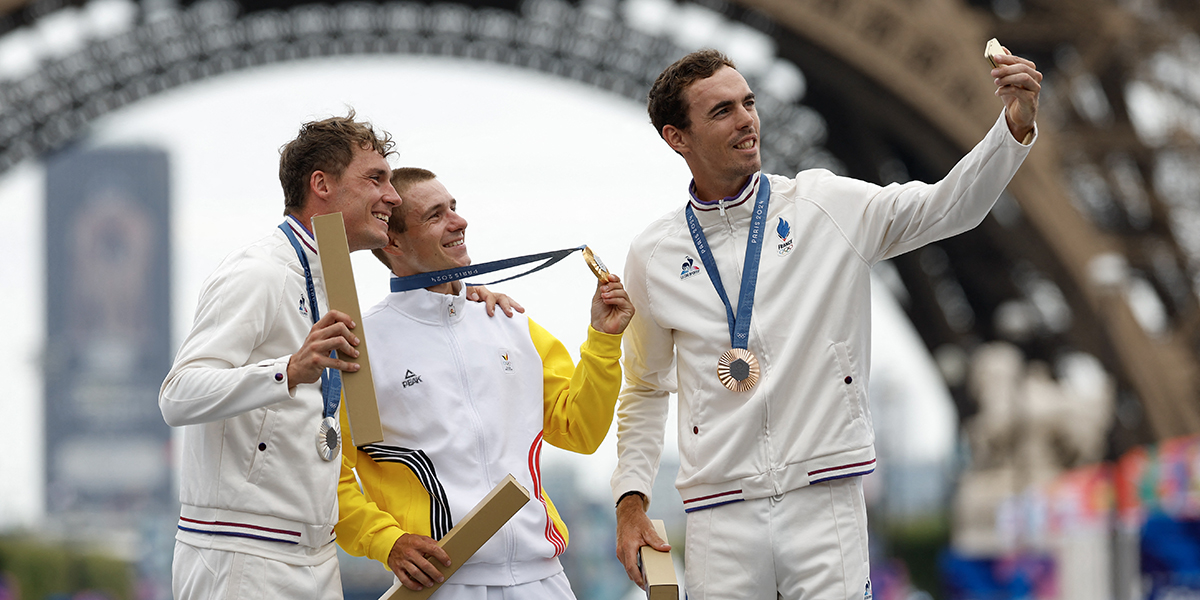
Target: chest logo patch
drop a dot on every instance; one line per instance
(303, 307)
(786, 241)
(689, 267)
(506, 364)
(410, 379)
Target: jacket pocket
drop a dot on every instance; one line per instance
(263, 446)
(852, 392)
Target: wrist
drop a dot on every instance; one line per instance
(641, 498)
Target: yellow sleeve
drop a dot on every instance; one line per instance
(363, 529)
(578, 401)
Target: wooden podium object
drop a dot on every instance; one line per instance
(658, 570)
(466, 538)
(358, 387)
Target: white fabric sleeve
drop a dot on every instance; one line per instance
(649, 380)
(212, 378)
(884, 222)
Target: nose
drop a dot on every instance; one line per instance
(745, 118)
(391, 197)
(458, 223)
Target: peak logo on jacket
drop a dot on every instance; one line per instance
(689, 267)
(410, 378)
(786, 242)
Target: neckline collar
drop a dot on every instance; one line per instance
(748, 191)
(302, 233)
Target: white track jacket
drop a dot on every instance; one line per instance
(252, 480)
(807, 420)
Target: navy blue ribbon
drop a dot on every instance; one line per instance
(739, 325)
(331, 379)
(432, 278)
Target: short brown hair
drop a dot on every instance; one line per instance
(665, 102)
(327, 145)
(403, 179)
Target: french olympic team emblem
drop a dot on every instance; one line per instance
(784, 231)
(689, 267)
(303, 308)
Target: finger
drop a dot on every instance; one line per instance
(424, 572)
(490, 306)
(439, 553)
(339, 344)
(629, 561)
(505, 304)
(337, 316)
(407, 581)
(656, 542)
(416, 574)
(331, 331)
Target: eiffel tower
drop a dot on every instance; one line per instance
(1095, 249)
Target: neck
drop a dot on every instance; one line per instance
(304, 218)
(450, 288)
(709, 191)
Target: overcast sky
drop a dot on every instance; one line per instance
(535, 162)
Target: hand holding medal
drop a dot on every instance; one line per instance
(611, 308)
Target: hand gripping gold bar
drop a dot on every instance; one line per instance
(469, 535)
(658, 570)
(358, 387)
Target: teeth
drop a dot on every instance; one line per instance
(382, 217)
(746, 145)
(454, 244)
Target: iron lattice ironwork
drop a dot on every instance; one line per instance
(1102, 212)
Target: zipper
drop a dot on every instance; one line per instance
(476, 420)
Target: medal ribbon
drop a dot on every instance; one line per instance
(739, 325)
(331, 379)
(432, 278)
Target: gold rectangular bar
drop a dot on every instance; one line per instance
(469, 535)
(658, 570)
(358, 387)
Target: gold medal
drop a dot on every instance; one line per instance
(738, 369)
(595, 264)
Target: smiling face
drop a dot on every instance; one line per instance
(434, 237)
(365, 197)
(720, 144)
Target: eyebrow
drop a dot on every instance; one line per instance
(718, 106)
(439, 207)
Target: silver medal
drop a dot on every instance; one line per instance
(329, 438)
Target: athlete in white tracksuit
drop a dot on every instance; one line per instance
(770, 476)
(258, 502)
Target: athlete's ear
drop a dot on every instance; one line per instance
(675, 138)
(393, 246)
(319, 184)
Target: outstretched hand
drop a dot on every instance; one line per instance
(1018, 83)
(331, 332)
(409, 560)
(611, 308)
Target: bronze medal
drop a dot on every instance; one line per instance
(595, 264)
(738, 369)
